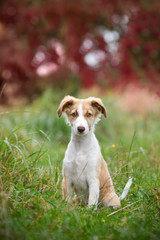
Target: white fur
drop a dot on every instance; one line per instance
(81, 159)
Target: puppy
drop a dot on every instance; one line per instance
(84, 169)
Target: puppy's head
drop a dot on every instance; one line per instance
(82, 114)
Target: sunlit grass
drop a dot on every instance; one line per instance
(32, 145)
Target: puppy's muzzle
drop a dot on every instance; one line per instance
(81, 129)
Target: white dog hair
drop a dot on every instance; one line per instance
(84, 169)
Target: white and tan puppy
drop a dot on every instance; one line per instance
(84, 169)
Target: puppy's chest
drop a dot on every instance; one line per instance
(79, 164)
(76, 164)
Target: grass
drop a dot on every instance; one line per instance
(32, 145)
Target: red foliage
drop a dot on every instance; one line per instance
(71, 36)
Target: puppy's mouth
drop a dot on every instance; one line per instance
(80, 133)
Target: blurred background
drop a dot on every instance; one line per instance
(103, 48)
(70, 45)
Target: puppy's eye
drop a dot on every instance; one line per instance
(89, 114)
(74, 114)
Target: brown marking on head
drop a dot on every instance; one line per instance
(89, 112)
(92, 108)
(72, 112)
(98, 105)
(69, 105)
(65, 104)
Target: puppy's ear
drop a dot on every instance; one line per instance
(97, 103)
(65, 103)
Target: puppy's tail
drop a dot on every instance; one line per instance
(126, 189)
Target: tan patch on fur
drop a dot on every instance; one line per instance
(92, 104)
(64, 186)
(107, 193)
(87, 108)
(65, 104)
(72, 109)
(98, 105)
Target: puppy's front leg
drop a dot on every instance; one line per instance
(93, 192)
(66, 189)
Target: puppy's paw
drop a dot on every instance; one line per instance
(112, 200)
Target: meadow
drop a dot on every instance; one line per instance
(32, 144)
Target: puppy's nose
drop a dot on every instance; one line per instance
(81, 129)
